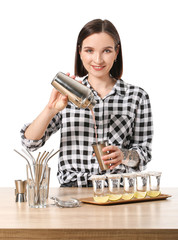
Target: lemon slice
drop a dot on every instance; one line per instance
(115, 197)
(102, 199)
(127, 196)
(153, 193)
(140, 195)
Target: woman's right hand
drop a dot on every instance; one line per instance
(58, 101)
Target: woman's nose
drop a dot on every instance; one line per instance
(98, 58)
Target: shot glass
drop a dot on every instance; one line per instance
(115, 192)
(129, 180)
(99, 153)
(37, 185)
(141, 185)
(154, 184)
(99, 193)
(114, 183)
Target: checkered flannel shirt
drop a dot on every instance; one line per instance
(123, 117)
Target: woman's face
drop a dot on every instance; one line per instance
(98, 54)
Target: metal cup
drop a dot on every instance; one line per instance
(20, 190)
(99, 153)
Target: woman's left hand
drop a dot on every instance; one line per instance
(114, 157)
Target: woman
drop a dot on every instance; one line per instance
(122, 112)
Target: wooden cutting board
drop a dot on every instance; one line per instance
(90, 200)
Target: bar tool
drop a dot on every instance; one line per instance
(72, 203)
(99, 153)
(38, 177)
(77, 93)
(20, 190)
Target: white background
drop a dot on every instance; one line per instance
(38, 38)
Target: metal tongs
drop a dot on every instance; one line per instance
(72, 203)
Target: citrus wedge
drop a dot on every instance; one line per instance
(153, 193)
(115, 197)
(127, 196)
(140, 195)
(102, 199)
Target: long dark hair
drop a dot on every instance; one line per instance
(97, 26)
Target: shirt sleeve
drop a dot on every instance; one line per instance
(33, 145)
(143, 132)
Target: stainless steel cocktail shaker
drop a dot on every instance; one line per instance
(77, 93)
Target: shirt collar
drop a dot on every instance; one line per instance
(87, 84)
(120, 86)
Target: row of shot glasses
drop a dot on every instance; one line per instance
(135, 185)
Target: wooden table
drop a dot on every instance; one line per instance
(146, 220)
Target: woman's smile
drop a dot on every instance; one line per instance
(97, 68)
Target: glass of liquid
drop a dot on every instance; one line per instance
(141, 185)
(129, 180)
(154, 184)
(99, 193)
(115, 192)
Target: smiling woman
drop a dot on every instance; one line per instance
(93, 28)
(122, 113)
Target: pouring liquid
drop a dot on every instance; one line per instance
(93, 115)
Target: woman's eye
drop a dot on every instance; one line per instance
(89, 51)
(107, 50)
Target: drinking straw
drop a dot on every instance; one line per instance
(41, 157)
(43, 170)
(44, 157)
(26, 153)
(52, 156)
(31, 155)
(27, 163)
(49, 155)
(38, 157)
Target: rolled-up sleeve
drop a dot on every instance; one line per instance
(143, 132)
(33, 145)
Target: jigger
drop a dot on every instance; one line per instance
(20, 190)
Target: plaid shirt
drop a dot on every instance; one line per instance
(123, 117)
